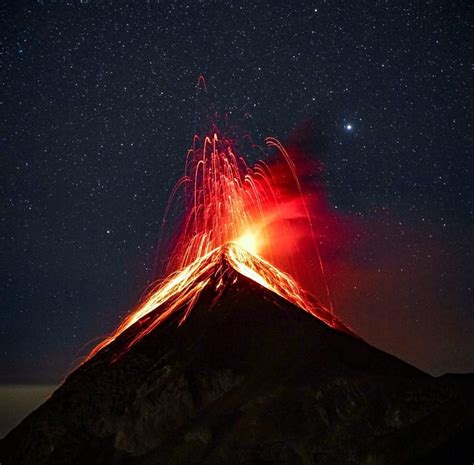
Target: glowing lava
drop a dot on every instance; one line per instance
(236, 217)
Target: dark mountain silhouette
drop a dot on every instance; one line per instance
(248, 378)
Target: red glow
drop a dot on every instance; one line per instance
(258, 214)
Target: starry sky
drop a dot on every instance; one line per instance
(99, 105)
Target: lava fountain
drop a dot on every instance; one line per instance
(238, 211)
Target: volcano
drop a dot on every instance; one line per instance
(245, 376)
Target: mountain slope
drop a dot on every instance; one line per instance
(247, 378)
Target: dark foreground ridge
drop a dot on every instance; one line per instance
(247, 379)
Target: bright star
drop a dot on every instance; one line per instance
(349, 127)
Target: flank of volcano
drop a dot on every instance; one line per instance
(216, 270)
(246, 377)
(228, 360)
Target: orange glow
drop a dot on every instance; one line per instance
(233, 214)
(249, 242)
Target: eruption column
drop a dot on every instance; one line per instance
(243, 209)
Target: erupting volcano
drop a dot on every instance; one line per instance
(228, 360)
(240, 212)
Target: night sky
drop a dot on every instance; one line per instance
(98, 108)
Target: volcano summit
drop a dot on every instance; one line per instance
(244, 377)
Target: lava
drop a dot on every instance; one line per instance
(238, 212)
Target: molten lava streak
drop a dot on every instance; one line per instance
(232, 213)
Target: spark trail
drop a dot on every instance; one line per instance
(235, 211)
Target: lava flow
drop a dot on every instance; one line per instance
(237, 213)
